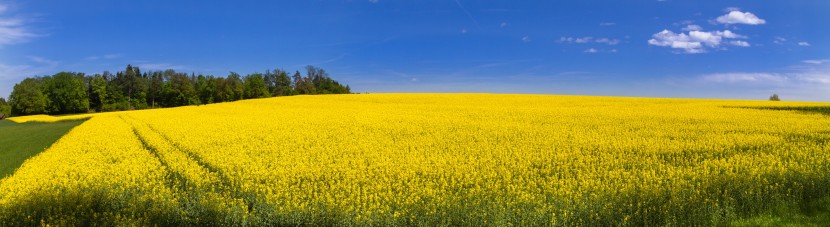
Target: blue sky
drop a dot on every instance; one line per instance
(666, 48)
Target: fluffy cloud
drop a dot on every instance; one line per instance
(804, 44)
(526, 39)
(738, 17)
(695, 41)
(591, 50)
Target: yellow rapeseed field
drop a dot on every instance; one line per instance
(429, 159)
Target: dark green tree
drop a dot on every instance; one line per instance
(5, 108)
(155, 88)
(179, 91)
(236, 89)
(67, 93)
(255, 86)
(205, 86)
(27, 97)
(97, 92)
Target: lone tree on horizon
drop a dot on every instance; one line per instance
(774, 97)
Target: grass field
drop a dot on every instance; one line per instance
(434, 159)
(21, 141)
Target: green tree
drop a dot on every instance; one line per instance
(774, 97)
(97, 92)
(67, 93)
(221, 90)
(205, 86)
(5, 108)
(255, 86)
(279, 84)
(236, 89)
(155, 88)
(179, 91)
(27, 97)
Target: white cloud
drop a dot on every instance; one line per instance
(744, 77)
(678, 41)
(804, 44)
(13, 30)
(608, 41)
(503, 24)
(44, 61)
(739, 43)
(729, 34)
(373, 1)
(817, 61)
(607, 24)
(738, 17)
(692, 27)
(583, 39)
(463, 31)
(526, 39)
(779, 40)
(707, 38)
(695, 41)
(591, 50)
(588, 39)
(730, 9)
(810, 81)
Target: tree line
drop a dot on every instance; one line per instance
(71, 92)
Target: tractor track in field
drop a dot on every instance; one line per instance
(223, 186)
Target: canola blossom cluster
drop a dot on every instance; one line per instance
(428, 159)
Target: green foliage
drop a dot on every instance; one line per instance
(67, 92)
(24, 140)
(255, 87)
(5, 108)
(774, 97)
(28, 98)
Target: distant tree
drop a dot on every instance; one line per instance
(220, 89)
(5, 108)
(304, 85)
(205, 86)
(323, 84)
(180, 91)
(283, 84)
(67, 93)
(155, 88)
(27, 97)
(774, 97)
(132, 86)
(236, 89)
(97, 92)
(255, 86)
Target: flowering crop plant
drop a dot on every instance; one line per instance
(427, 160)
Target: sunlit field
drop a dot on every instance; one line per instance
(429, 159)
